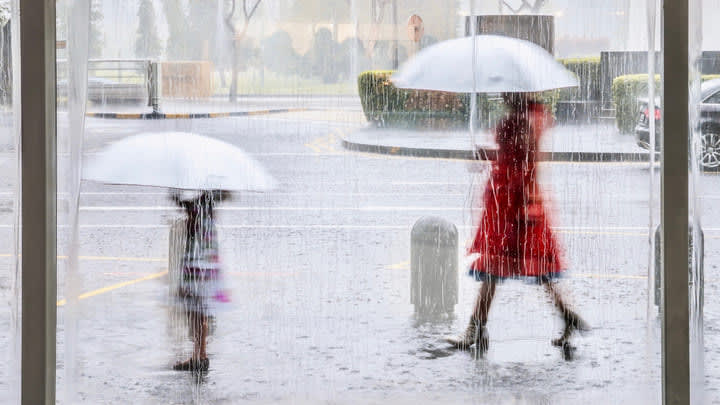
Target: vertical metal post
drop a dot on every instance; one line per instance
(38, 191)
(675, 205)
(396, 35)
(153, 80)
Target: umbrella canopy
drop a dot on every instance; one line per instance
(502, 64)
(178, 160)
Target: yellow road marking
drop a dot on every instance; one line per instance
(313, 147)
(325, 144)
(115, 287)
(399, 266)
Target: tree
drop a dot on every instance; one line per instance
(323, 56)
(176, 46)
(4, 12)
(202, 29)
(249, 7)
(147, 43)
(322, 11)
(279, 56)
(529, 5)
(5, 59)
(96, 35)
(377, 15)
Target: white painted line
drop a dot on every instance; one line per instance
(429, 183)
(159, 226)
(269, 208)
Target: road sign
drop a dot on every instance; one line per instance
(415, 28)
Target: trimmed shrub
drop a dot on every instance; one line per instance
(626, 90)
(387, 106)
(379, 97)
(587, 71)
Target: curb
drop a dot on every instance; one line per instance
(488, 154)
(162, 116)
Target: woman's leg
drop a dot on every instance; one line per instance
(475, 331)
(483, 301)
(572, 320)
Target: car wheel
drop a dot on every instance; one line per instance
(710, 142)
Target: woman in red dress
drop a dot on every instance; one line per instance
(513, 238)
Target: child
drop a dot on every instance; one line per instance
(200, 286)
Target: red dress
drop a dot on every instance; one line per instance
(514, 238)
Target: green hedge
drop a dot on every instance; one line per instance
(587, 71)
(625, 92)
(387, 106)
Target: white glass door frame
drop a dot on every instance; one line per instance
(675, 204)
(38, 176)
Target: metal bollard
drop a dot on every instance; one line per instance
(153, 85)
(434, 266)
(694, 279)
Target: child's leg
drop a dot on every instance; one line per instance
(199, 330)
(202, 338)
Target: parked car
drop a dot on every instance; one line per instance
(709, 124)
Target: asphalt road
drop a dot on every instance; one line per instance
(319, 273)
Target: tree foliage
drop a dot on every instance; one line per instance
(147, 42)
(532, 6)
(96, 40)
(278, 53)
(176, 46)
(246, 9)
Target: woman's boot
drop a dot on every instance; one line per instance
(573, 322)
(475, 334)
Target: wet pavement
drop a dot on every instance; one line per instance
(320, 280)
(243, 103)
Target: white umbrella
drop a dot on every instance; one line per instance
(178, 160)
(502, 64)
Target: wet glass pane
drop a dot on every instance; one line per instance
(703, 188)
(9, 268)
(367, 207)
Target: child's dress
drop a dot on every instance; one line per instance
(201, 288)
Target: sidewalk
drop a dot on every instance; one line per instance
(568, 143)
(218, 108)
